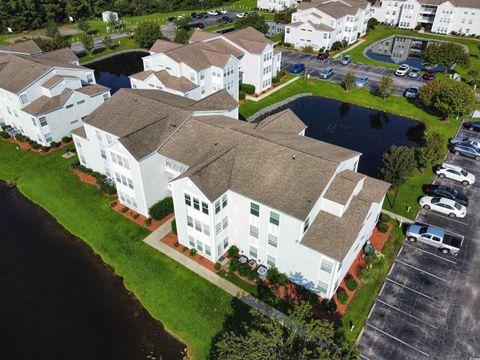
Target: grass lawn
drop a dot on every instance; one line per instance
(125, 43)
(189, 306)
(363, 300)
(382, 32)
(277, 37)
(411, 190)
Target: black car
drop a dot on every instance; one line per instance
(322, 56)
(172, 19)
(429, 75)
(472, 125)
(446, 192)
(224, 19)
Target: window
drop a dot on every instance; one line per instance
(322, 287)
(80, 102)
(255, 209)
(105, 96)
(124, 180)
(206, 229)
(120, 160)
(199, 246)
(43, 121)
(306, 224)
(224, 201)
(254, 231)
(327, 265)
(48, 138)
(130, 183)
(89, 78)
(24, 98)
(218, 228)
(225, 223)
(198, 225)
(34, 122)
(82, 159)
(204, 208)
(253, 252)
(188, 200)
(274, 218)
(117, 177)
(270, 260)
(207, 250)
(103, 154)
(189, 221)
(69, 106)
(74, 121)
(99, 135)
(272, 240)
(191, 241)
(217, 207)
(125, 163)
(196, 204)
(225, 242)
(114, 158)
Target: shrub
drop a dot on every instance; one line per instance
(135, 216)
(233, 252)
(184, 249)
(282, 279)
(124, 209)
(272, 274)
(337, 45)
(54, 144)
(252, 274)
(113, 204)
(4, 135)
(192, 252)
(21, 137)
(148, 222)
(242, 95)
(217, 266)
(66, 139)
(235, 265)
(161, 209)
(248, 88)
(282, 73)
(351, 283)
(308, 49)
(384, 217)
(330, 306)
(36, 146)
(382, 227)
(342, 296)
(275, 79)
(108, 189)
(45, 148)
(177, 244)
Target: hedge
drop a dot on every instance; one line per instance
(242, 95)
(351, 283)
(161, 209)
(382, 227)
(174, 227)
(248, 88)
(342, 296)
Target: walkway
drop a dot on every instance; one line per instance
(261, 97)
(400, 218)
(348, 49)
(154, 241)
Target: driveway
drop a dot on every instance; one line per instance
(428, 307)
(374, 73)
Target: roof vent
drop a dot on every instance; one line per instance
(174, 125)
(293, 157)
(135, 99)
(216, 143)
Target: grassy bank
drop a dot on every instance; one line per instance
(123, 44)
(411, 190)
(189, 306)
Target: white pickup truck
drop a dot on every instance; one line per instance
(435, 237)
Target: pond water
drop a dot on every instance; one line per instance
(60, 301)
(370, 132)
(114, 72)
(400, 50)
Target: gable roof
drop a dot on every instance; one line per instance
(160, 46)
(28, 47)
(282, 122)
(46, 104)
(64, 55)
(201, 36)
(172, 82)
(249, 39)
(335, 8)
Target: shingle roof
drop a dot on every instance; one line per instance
(163, 45)
(46, 104)
(249, 39)
(172, 82)
(335, 8)
(319, 27)
(64, 55)
(80, 132)
(54, 80)
(201, 36)
(342, 187)
(93, 89)
(28, 47)
(282, 122)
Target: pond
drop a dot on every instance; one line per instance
(370, 132)
(60, 301)
(114, 71)
(400, 50)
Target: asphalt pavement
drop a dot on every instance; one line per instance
(428, 307)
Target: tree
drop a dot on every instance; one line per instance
(107, 41)
(182, 36)
(385, 87)
(147, 33)
(51, 29)
(432, 150)
(87, 41)
(445, 54)
(302, 338)
(285, 16)
(372, 22)
(254, 20)
(113, 23)
(337, 45)
(398, 164)
(183, 21)
(84, 25)
(348, 80)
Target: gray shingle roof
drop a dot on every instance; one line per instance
(172, 82)
(45, 104)
(282, 122)
(336, 8)
(28, 47)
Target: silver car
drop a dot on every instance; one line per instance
(347, 59)
(465, 140)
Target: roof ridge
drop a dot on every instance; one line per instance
(145, 126)
(212, 159)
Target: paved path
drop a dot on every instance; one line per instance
(398, 217)
(359, 42)
(154, 240)
(261, 97)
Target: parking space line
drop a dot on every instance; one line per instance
(363, 357)
(428, 252)
(400, 341)
(447, 217)
(405, 313)
(422, 271)
(409, 288)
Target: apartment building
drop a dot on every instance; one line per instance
(122, 137)
(211, 62)
(442, 16)
(276, 5)
(45, 95)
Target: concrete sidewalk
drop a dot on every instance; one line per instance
(154, 241)
(261, 97)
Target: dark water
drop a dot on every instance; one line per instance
(60, 301)
(368, 131)
(114, 71)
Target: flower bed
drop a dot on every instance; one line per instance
(26, 145)
(141, 220)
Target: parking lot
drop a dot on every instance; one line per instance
(429, 305)
(374, 73)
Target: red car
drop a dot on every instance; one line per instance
(429, 75)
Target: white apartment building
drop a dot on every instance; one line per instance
(444, 17)
(45, 95)
(210, 62)
(320, 23)
(122, 137)
(276, 5)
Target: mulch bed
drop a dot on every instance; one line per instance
(139, 219)
(86, 178)
(28, 147)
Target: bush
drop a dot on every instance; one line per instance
(342, 296)
(66, 139)
(248, 88)
(337, 45)
(252, 274)
(4, 135)
(55, 144)
(330, 306)
(242, 95)
(113, 204)
(382, 227)
(184, 249)
(243, 269)
(351, 283)
(148, 222)
(124, 209)
(36, 146)
(275, 79)
(308, 49)
(135, 216)
(108, 189)
(282, 73)
(272, 274)
(45, 148)
(21, 137)
(234, 264)
(282, 279)
(192, 252)
(233, 252)
(384, 217)
(217, 266)
(161, 209)
(174, 227)
(177, 244)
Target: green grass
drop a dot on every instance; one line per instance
(277, 37)
(189, 306)
(125, 43)
(363, 300)
(382, 32)
(411, 190)
(234, 279)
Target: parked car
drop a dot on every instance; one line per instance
(402, 70)
(435, 237)
(446, 192)
(172, 19)
(326, 73)
(225, 19)
(347, 59)
(194, 15)
(361, 81)
(429, 75)
(212, 12)
(222, 11)
(444, 206)
(466, 150)
(465, 140)
(241, 15)
(473, 125)
(412, 92)
(414, 73)
(297, 68)
(455, 173)
(323, 56)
